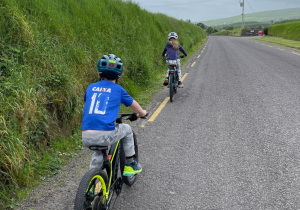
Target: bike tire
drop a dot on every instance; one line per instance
(127, 179)
(171, 80)
(175, 84)
(83, 201)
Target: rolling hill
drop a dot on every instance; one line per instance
(266, 16)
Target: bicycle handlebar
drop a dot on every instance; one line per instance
(181, 56)
(132, 117)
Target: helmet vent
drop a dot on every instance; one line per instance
(118, 66)
(103, 63)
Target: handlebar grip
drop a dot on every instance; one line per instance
(145, 116)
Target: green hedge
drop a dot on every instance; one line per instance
(48, 55)
(287, 30)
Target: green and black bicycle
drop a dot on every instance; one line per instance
(98, 186)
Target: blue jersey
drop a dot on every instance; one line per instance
(102, 104)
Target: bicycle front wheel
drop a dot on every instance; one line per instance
(92, 190)
(171, 80)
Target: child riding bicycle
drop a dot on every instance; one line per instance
(172, 48)
(102, 104)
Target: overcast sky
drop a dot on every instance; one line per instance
(201, 10)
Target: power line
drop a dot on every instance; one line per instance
(250, 6)
(182, 3)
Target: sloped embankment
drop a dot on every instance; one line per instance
(286, 30)
(48, 55)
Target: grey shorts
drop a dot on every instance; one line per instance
(107, 138)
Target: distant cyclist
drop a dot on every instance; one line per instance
(172, 48)
(102, 104)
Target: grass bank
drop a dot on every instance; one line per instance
(280, 41)
(48, 55)
(289, 30)
(236, 32)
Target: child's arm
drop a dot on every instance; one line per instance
(138, 109)
(182, 50)
(164, 52)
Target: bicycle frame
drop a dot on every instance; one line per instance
(108, 162)
(175, 72)
(108, 165)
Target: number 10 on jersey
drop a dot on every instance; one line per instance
(100, 108)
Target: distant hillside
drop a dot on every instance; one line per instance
(265, 16)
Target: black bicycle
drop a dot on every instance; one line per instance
(173, 80)
(97, 187)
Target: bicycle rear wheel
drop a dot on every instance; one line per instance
(175, 83)
(128, 180)
(171, 80)
(92, 187)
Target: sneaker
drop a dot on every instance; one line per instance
(180, 85)
(166, 82)
(132, 169)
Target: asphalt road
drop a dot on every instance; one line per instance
(230, 139)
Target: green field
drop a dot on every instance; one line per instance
(266, 16)
(48, 55)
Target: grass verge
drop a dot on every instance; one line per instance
(280, 41)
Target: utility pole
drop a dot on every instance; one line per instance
(242, 5)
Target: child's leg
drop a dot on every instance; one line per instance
(95, 138)
(167, 76)
(132, 167)
(124, 132)
(178, 70)
(97, 160)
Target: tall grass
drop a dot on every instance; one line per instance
(48, 55)
(289, 30)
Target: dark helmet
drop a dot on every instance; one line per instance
(110, 65)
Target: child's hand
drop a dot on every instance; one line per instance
(143, 114)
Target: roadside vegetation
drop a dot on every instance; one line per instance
(235, 32)
(48, 55)
(289, 30)
(286, 34)
(280, 41)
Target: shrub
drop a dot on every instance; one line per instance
(266, 31)
(289, 30)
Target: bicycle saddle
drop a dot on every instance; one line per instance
(98, 148)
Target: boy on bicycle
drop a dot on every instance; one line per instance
(172, 48)
(102, 104)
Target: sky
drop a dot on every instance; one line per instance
(201, 10)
